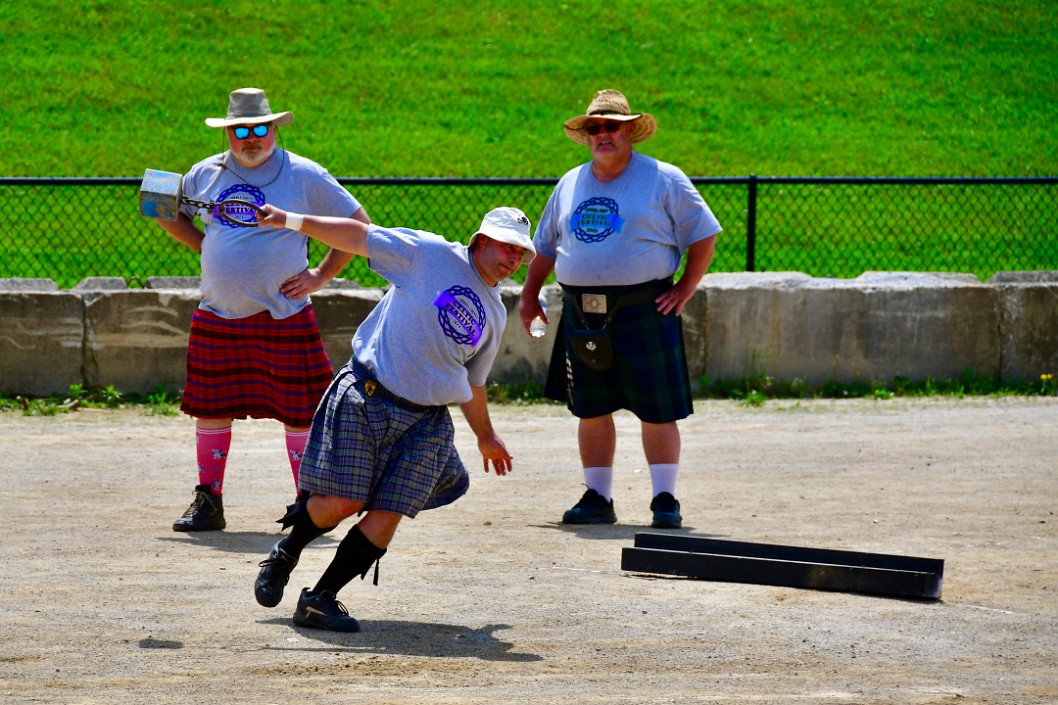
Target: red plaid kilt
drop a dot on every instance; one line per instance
(257, 367)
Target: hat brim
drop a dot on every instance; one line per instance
(280, 119)
(645, 126)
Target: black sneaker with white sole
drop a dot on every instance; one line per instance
(323, 611)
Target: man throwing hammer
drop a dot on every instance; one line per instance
(382, 439)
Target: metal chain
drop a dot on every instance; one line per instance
(214, 207)
(206, 205)
(210, 205)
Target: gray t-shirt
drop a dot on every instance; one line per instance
(243, 268)
(437, 330)
(631, 230)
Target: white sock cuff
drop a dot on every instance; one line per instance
(600, 479)
(663, 477)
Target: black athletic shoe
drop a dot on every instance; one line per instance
(666, 512)
(591, 509)
(206, 512)
(323, 611)
(275, 572)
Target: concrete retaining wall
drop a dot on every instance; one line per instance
(787, 325)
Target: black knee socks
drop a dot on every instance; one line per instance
(355, 556)
(303, 531)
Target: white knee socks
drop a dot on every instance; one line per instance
(600, 479)
(663, 477)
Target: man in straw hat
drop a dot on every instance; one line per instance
(382, 441)
(254, 349)
(615, 232)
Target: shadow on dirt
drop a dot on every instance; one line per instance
(616, 532)
(241, 541)
(400, 638)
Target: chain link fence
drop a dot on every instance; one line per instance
(67, 229)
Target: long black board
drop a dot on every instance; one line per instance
(786, 566)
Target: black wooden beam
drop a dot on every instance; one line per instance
(786, 566)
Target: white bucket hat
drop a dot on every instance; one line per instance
(508, 225)
(249, 106)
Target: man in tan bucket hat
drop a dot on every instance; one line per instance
(254, 349)
(615, 232)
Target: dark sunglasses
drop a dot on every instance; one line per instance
(597, 127)
(242, 132)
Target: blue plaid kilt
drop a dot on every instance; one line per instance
(649, 375)
(369, 449)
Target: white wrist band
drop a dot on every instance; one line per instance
(294, 221)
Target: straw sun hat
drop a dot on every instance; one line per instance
(611, 105)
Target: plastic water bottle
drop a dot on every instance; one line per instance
(537, 327)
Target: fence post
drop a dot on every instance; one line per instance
(751, 224)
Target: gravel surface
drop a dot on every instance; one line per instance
(492, 600)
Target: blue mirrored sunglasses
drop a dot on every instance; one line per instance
(242, 132)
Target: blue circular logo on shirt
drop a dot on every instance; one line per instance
(595, 219)
(461, 315)
(239, 192)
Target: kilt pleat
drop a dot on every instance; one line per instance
(257, 367)
(649, 376)
(371, 450)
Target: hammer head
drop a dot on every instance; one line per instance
(160, 194)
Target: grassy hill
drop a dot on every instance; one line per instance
(440, 88)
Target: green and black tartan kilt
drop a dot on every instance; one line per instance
(649, 375)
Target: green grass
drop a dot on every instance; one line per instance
(160, 402)
(444, 88)
(755, 390)
(480, 89)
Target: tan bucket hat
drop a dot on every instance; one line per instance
(249, 106)
(611, 105)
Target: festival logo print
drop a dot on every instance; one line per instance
(247, 215)
(461, 315)
(595, 219)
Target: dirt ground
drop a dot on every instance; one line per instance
(492, 600)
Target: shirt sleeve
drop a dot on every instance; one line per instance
(548, 230)
(692, 219)
(328, 197)
(392, 253)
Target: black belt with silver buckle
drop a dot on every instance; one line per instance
(607, 300)
(374, 388)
